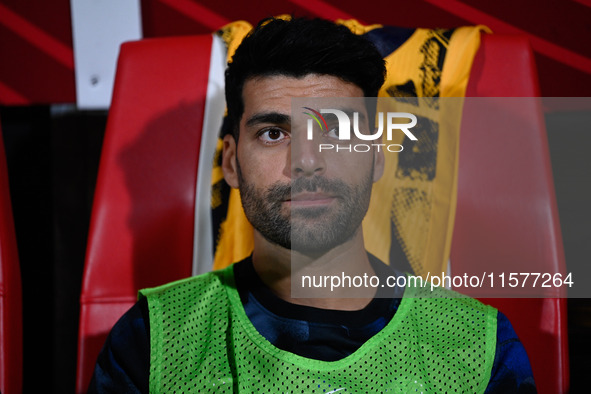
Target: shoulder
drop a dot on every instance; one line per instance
(511, 370)
(124, 362)
(203, 298)
(446, 299)
(204, 285)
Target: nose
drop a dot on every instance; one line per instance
(306, 159)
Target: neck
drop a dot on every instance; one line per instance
(284, 271)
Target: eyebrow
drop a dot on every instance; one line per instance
(350, 111)
(268, 117)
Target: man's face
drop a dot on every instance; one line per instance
(292, 194)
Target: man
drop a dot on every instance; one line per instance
(241, 329)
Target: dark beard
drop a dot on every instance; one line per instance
(309, 230)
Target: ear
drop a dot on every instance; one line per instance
(229, 167)
(379, 162)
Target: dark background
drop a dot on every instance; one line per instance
(53, 149)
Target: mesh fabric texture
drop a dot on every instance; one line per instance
(202, 341)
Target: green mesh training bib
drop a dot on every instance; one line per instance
(202, 341)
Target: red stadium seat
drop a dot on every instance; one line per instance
(142, 224)
(141, 231)
(11, 322)
(506, 213)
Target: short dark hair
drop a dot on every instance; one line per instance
(298, 47)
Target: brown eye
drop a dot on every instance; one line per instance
(272, 136)
(333, 132)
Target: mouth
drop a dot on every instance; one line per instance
(310, 199)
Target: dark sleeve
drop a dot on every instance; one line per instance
(123, 366)
(511, 372)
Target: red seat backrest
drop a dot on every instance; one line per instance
(11, 326)
(141, 231)
(506, 212)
